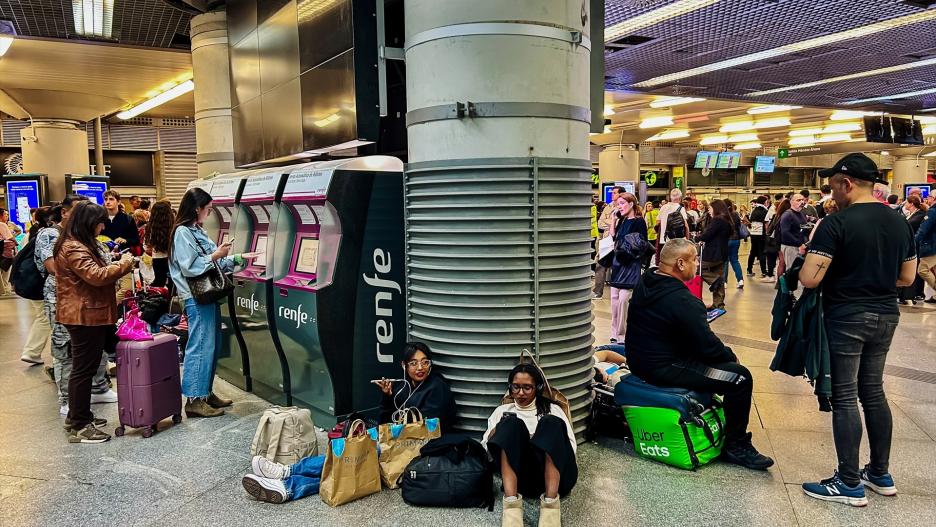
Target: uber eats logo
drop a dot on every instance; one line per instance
(652, 450)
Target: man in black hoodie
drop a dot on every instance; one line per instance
(669, 344)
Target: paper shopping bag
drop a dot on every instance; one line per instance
(400, 443)
(351, 468)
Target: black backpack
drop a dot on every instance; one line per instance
(451, 471)
(26, 278)
(675, 224)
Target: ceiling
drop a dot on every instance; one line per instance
(729, 29)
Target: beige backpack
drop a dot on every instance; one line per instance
(285, 435)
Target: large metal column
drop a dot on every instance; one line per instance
(498, 194)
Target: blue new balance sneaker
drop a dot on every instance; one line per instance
(883, 485)
(834, 489)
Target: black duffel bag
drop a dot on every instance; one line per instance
(451, 471)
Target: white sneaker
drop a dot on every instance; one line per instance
(741, 284)
(110, 396)
(63, 410)
(265, 489)
(769, 280)
(265, 468)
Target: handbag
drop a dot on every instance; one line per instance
(605, 250)
(451, 472)
(548, 391)
(134, 328)
(351, 468)
(211, 286)
(743, 232)
(399, 443)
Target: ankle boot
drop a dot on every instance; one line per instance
(550, 515)
(216, 402)
(513, 512)
(201, 408)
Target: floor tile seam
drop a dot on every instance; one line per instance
(912, 420)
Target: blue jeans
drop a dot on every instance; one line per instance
(733, 246)
(305, 477)
(201, 351)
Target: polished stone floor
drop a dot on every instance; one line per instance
(190, 474)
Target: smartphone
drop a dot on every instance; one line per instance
(231, 241)
(377, 381)
(123, 251)
(508, 414)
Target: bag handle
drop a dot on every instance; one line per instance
(354, 424)
(526, 353)
(264, 419)
(412, 412)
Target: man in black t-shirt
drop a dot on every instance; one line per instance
(860, 256)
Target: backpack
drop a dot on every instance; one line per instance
(675, 224)
(285, 435)
(451, 471)
(27, 279)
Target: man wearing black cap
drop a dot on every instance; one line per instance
(860, 255)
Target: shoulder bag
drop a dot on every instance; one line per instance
(211, 286)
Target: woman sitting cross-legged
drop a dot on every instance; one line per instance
(533, 446)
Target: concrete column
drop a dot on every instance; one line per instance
(55, 148)
(908, 169)
(619, 163)
(213, 132)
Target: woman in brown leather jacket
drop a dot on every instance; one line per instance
(85, 280)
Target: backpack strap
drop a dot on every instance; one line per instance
(275, 436)
(261, 426)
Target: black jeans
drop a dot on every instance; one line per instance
(757, 252)
(730, 379)
(858, 346)
(87, 345)
(527, 455)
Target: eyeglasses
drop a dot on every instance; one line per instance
(525, 388)
(417, 363)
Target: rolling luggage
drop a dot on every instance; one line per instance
(148, 385)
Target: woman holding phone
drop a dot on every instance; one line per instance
(191, 254)
(422, 388)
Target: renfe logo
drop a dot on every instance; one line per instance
(248, 303)
(384, 326)
(297, 315)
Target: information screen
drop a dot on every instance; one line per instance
(729, 160)
(924, 190)
(93, 190)
(307, 258)
(21, 197)
(628, 186)
(706, 159)
(765, 164)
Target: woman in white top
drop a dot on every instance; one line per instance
(533, 446)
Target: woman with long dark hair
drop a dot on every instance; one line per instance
(421, 387)
(156, 240)
(85, 281)
(191, 254)
(630, 243)
(917, 213)
(772, 243)
(533, 447)
(734, 245)
(715, 251)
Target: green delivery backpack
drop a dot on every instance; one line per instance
(663, 435)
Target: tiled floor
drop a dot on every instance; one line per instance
(190, 474)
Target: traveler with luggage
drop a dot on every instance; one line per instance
(533, 447)
(421, 388)
(715, 251)
(85, 279)
(192, 254)
(604, 227)
(669, 344)
(156, 240)
(27, 279)
(859, 256)
(630, 243)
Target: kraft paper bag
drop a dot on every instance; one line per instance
(400, 443)
(351, 468)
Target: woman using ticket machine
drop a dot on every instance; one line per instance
(421, 388)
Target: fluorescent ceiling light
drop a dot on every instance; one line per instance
(772, 123)
(5, 43)
(795, 47)
(164, 97)
(905, 95)
(840, 78)
(713, 140)
(652, 18)
(929, 130)
(743, 138)
(738, 126)
(806, 140)
(669, 134)
(833, 138)
(772, 108)
(608, 110)
(666, 102)
(841, 127)
(747, 146)
(926, 119)
(847, 115)
(805, 132)
(931, 154)
(657, 122)
(93, 18)
(925, 110)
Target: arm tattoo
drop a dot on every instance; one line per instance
(819, 269)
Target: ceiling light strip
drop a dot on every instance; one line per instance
(795, 47)
(840, 78)
(162, 98)
(652, 18)
(906, 95)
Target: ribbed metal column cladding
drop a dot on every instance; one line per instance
(498, 194)
(499, 259)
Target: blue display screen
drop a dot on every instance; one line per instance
(93, 190)
(21, 197)
(764, 164)
(628, 186)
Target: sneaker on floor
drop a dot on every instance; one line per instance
(63, 410)
(750, 274)
(742, 452)
(31, 361)
(96, 421)
(265, 468)
(110, 396)
(741, 284)
(88, 434)
(769, 280)
(265, 489)
(931, 300)
(596, 296)
(834, 489)
(883, 485)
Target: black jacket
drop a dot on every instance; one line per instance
(758, 215)
(433, 398)
(666, 324)
(716, 237)
(122, 226)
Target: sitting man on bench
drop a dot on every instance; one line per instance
(669, 344)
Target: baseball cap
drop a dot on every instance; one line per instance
(858, 166)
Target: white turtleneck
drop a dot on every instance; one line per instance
(527, 414)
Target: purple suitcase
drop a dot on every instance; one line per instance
(148, 386)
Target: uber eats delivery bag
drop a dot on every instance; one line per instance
(675, 426)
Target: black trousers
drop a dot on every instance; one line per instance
(161, 272)
(87, 344)
(757, 252)
(527, 455)
(729, 379)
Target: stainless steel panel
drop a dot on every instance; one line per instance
(247, 131)
(325, 30)
(268, 8)
(329, 114)
(241, 19)
(245, 69)
(282, 121)
(279, 48)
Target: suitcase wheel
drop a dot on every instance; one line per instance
(148, 431)
(119, 431)
(176, 419)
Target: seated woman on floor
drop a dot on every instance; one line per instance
(533, 447)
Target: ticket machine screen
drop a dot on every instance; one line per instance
(261, 248)
(307, 258)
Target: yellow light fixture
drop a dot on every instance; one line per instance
(667, 102)
(771, 108)
(772, 123)
(805, 140)
(847, 115)
(654, 17)
(743, 138)
(796, 47)
(5, 43)
(805, 132)
(737, 126)
(713, 139)
(841, 127)
(162, 98)
(657, 122)
(747, 146)
(833, 138)
(669, 134)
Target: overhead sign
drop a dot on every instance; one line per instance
(783, 153)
